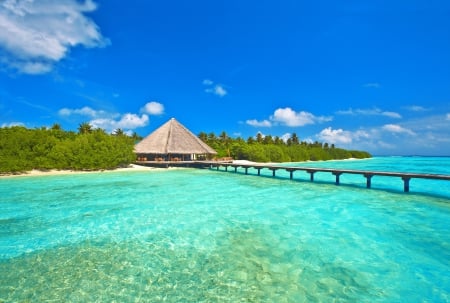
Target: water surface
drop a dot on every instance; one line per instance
(206, 236)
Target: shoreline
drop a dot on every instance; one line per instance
(130, 168)
(55, 172)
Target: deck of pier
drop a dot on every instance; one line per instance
(406, 177)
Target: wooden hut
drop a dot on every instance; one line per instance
(173, 142)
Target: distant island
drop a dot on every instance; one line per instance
(274, 149)
(23, 149)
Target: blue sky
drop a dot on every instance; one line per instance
(370, 75)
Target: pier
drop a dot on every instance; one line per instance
(405, 177)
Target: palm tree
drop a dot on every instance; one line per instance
(119, 132)
(136, 137)
(56, 126)
(259, 138)
(84, 128)
(203, 136)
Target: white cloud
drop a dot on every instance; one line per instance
(394, 128)
(256, 123)
(369, 112)
(11, 124)
(291, 118)
(416, 108)
(447, 117)
(207, 82)
(372, 85)
(127, 121)
(84, 111)
(341, 136)
(335, 136)
(153, 108)
(37, 34)
(107, 120)
(215, 89)
(286, 137)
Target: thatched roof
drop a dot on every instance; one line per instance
(172, 138)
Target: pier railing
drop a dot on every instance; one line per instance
(406, 177)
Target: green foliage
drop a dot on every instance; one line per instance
(273, 149)
(23, 149)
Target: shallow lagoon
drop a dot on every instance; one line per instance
(205, 236)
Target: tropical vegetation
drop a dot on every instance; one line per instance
(23, 149)
(274, 149)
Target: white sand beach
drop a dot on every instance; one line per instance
(34, 172)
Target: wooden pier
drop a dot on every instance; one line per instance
(406, 177)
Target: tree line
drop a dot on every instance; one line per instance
(23, 149)
(274, 149)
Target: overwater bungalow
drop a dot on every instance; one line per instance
(172, 142)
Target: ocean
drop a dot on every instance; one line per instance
(200, 235)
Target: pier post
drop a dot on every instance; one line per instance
(259, 171)
(246, 170)
(291, 174)
(273, 172)
(235, 169)
(226, 167)
(337, 174)
(406, 184)
(311, 172)
(368, 180)
(217, 167)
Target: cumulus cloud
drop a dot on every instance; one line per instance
(340, 136)
(37, 34)
(286, 137)
(256, 123)
(84, 111)
(369, 112)
(153, 108)
(394, 128)
(335, 136)
(107, 120)
(215, 89)
(289, 117)
(127, 121)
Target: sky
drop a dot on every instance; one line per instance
(367, 75)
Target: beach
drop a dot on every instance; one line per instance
(55, 172)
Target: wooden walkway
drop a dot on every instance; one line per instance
(406, 177)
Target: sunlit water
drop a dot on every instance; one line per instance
(189, 235)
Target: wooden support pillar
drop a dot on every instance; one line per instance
(406, 184)
(368, 180)
(217, 167)
(311, 172)
(337, 174)
(291, 174)
(273, 172)
(246, 170)
(226, 167)
(259, 171)
(235, 169)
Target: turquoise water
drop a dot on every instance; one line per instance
(187, 235)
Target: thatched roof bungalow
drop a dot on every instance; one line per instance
(173, 142)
